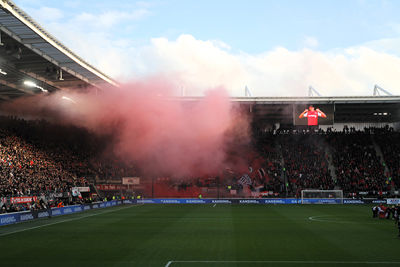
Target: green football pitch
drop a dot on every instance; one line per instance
(205, 235)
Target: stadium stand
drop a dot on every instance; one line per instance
(387, 140)
(38, 158)
(358, 167)
(305, 162)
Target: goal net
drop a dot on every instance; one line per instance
(322, 197)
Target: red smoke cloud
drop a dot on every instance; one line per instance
(161, 134)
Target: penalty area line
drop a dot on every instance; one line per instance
(170, 263)
(68, 220)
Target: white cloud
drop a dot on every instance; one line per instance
(202, 64)
(199, 65)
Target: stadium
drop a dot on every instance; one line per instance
(302, 181)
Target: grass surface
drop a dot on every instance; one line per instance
(205, 235)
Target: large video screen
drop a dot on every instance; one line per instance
(313, 114)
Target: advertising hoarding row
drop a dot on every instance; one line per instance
(16, 217)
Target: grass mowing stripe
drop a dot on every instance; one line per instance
(155, 234)
(68, 220)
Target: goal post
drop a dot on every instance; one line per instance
(321, 196)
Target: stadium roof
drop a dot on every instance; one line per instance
(319, 100)
(28, 52)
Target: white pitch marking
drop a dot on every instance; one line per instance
(290, 262)
(73, 219)
(315, 218)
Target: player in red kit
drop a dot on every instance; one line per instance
(312, 115)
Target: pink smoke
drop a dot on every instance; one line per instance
(161, 134)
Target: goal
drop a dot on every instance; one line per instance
(322, 197)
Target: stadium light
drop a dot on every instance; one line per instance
(3, 72)
(32, 84)
(68, 99)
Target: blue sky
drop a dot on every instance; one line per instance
(334, 45)
(250, 26)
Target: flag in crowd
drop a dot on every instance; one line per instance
(245, 180)
(261, 173)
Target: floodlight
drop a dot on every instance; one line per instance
(32, 84)
(68, 99)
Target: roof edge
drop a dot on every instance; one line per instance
(305, 99)
(34, 26)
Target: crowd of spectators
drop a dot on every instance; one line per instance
(272, 164)
(38, 157)
(388, 141)
(358, 167)
(306, 164)
(27, 170)
(38, 204)
(354, 160)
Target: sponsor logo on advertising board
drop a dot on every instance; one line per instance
(43, 214)
(249, 201)
(26, 217)
(56, 212)
(393, 201)
(221, 201)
